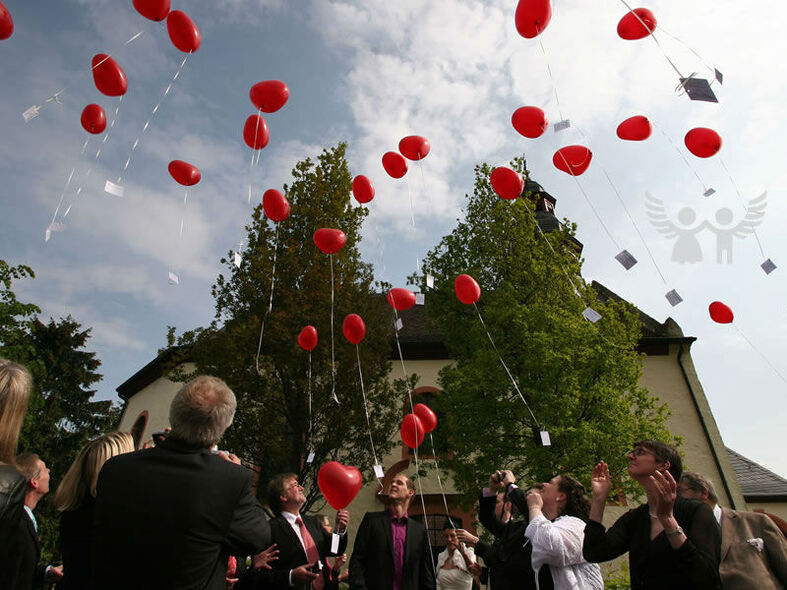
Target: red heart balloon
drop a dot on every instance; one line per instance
(155, 10)
(255, 132)
(467, 289)
(94, 119)
(401, 299)
(329, 240)
(720, 313)
(530, 121)
(339, 483)
(414, 147)
(183, 33)
(635, 128)
(354, 328)
(6, 22)
(275, 205)
(109, 77)
(184, 173)
(631, 28)
(307, 339)
(703, 142)
(363, 189)
(269, 95)
(507, 183)
(532, 17)
(427, 417)
(572, 159)
(412, 431)
(394, 164)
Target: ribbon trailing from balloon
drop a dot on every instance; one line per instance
(745, 208)
(270, 302)
(307, 339)
(186, 175)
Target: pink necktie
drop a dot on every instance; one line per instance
(312, 554)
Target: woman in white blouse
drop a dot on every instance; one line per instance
(558, 510)
(456, 564)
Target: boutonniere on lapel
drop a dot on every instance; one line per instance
(756, 543)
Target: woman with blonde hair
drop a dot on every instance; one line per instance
(15, 386)
(75, 498)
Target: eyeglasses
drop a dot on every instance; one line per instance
(639, 451)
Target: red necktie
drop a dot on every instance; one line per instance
(312, 555)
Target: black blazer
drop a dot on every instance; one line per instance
(29, 573)
(371, 564)
(13, 486)
(291, 553)
(76, 537)
(169, 517)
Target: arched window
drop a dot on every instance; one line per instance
(138, 429)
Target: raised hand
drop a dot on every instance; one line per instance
(466, 537)
(600, 481)
(662, 493)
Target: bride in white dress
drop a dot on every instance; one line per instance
(456, 564)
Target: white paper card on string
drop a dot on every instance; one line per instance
(399, 325)
(420, 299)
(768, 266)
(718, 75)
(173, 279)
(709, 192)
(673, 297)
(31, 113)
(113, 189)
(335, 543)
(378, 472)
(430, 281)
(626, 259)
(545, 440)
(591, 315)
(560, 125)
(237, 259)
(310, 458)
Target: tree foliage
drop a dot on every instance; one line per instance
(271, 427)
(580, 379)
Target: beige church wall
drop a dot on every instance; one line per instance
(776, 508)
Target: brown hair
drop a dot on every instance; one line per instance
(27, 464)
(577, 503)
(15, 386)
(276, 490)
(664, 453)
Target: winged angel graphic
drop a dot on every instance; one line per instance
(686, 247)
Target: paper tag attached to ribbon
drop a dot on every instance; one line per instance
(545, 440)
(560, 125)
(718, 75)
(237, 259)
(430, 281)
(768, 266)
(378, 472)
(335, 543)
(173, 279)
(626, 259)
(420, 299)
(709, 192)
(31, 113)
(113, 189)
(310, 458)
(673, 297)
(399, 325)
(591, 315)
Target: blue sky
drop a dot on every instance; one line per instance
(370, 73)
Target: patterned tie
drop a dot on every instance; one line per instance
(312, 554)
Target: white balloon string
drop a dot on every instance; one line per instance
(762, 356)
(365, 407)
(551, 79)
(652, 36)
(150, 118)
(425, 193)
(502, 362)
(253, 153)
(333, 346)
(49, 229)
(412, 209)
(270, 299)
(682, 156)
(311, 420)
(687, 46)
(440, 482)
(743, 203)
(183, 212)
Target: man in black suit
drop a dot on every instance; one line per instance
(169, 517)
(391, 550)
(30, 573)
(302, 542)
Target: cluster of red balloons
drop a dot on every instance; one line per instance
(412, 147)
(182, 31)
(6, 22)
(184, 173)
(415, 426)
(339, 483)
(268, 96)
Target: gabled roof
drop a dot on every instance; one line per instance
(757, 483)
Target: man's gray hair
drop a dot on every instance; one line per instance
(201, 411)
(699, 483)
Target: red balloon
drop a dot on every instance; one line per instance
(307, 339)
(275, 205)
(467, 289)
(394, 164)
(6, 22)
(720, 313)
(184, 173)
(532, 17)
(703, 142)
(363, 189)
(255, 132)
(401, 299)
(94, 119)
(353, 327)
(183, 33)
(338, 483)
(507, 183)
(329, 240)
(269, 96)
(427, 417)
(530, 121)
(412, 431)
(109, 77)
(635, 128)
(414, 147)
(156, 10)
(572, 159)
(631, 28)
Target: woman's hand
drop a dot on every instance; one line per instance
(534, 500)
(466, 537)
(662, 492)
(600, 481)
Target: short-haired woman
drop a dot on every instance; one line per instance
(75, 498)
(456, 564)
(673, 543)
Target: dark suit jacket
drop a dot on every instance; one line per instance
(291, 552)
(76, 540)
(169, 517)
(372, 565)
(13, 486)
(745, 566)
(29, 573)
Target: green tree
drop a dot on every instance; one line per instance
(15, 316)
(580, 379)
(271, 427)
